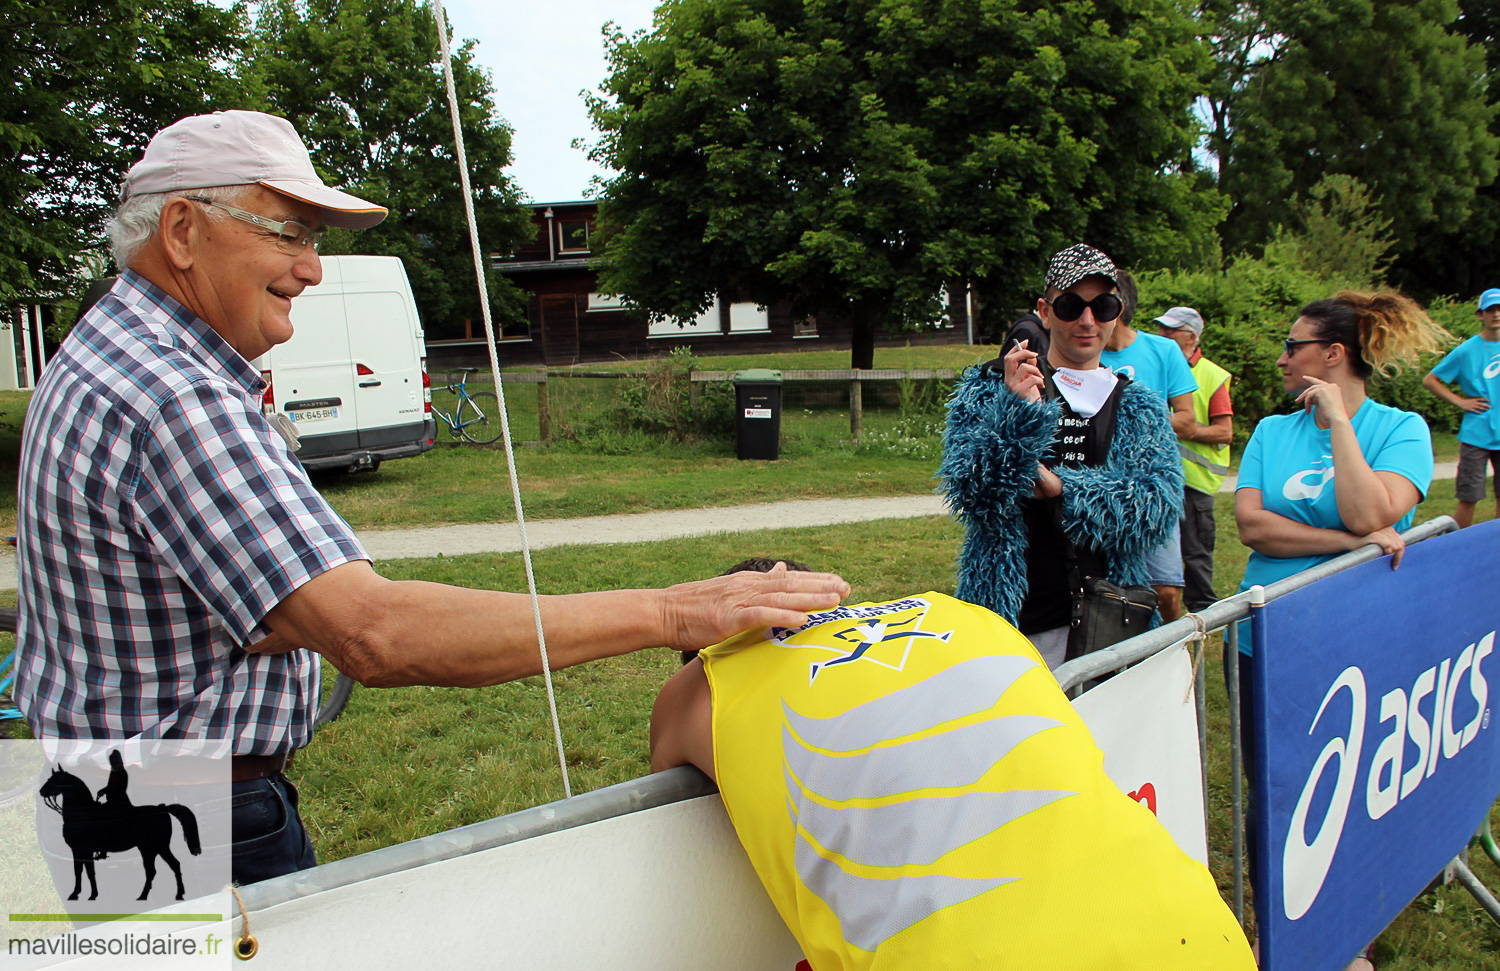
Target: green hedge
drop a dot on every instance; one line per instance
(1249, 306)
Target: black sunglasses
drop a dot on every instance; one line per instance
(1291, 346)
(1070, 306)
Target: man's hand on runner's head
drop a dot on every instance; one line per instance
(706, 612)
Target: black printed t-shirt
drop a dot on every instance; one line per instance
(1079, 442)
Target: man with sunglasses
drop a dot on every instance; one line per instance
(174, 558)
(1054, 462)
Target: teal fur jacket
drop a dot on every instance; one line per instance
(992, 445)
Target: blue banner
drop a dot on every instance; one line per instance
(1376, 757)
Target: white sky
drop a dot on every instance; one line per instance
(541, 57)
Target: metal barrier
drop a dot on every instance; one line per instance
(1224, 616)
(684, 784)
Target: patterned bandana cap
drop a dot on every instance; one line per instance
(1076, 262)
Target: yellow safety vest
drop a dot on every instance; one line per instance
(1204, 466)
(915, 792)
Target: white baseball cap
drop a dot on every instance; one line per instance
(242, 148)
(1182, 317)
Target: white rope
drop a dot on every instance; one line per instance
(489, 333)
(1199, 635)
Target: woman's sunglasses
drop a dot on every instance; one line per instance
(1069, 307)
(1291, 346)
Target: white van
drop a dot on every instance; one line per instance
(353, 378)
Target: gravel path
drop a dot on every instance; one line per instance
(395, 544)
(635, 527)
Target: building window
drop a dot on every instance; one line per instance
(573, 236)
(748, 318)
(805, 326)
(605, 301)
(705, 323)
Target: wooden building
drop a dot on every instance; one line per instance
(569, 321)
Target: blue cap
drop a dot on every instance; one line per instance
(1489, 298)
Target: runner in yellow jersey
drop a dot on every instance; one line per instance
(914, 791)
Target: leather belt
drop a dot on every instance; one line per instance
(247, 768)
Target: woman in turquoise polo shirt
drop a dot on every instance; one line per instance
(1343, 471)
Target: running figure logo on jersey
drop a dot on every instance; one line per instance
(1309, 484)
(883, 634)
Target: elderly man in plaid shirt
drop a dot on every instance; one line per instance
(175, 562)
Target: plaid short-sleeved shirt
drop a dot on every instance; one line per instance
(160, 519)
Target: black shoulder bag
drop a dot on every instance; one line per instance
(1104, 613)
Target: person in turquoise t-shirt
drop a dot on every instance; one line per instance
(1475, 366)
(1156, 363)
(1342, 472)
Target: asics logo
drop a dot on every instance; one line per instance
(1308, 484)
(1126, 369)
(1493, 368)
(1389, 776)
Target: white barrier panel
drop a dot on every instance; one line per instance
(662, 888)
(665, 887)
(1144, 721)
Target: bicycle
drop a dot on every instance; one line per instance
(8, 710)
(476, 417)
(337, 686)
(10, 718)
(336, 689)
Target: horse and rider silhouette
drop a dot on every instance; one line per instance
(93, 829)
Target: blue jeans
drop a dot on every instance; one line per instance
(269, 838)
(1164, 564)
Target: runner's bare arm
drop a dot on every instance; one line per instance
(682, 722)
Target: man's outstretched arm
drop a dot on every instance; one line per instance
(387, 633)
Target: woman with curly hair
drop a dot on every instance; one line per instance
(1343, 471)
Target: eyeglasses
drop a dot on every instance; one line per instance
(1070, 306)
(291, 237)
(1291, 345)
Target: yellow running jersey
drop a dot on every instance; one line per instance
(915, 792)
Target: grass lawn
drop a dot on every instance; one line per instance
(467, 484)
(409, 762)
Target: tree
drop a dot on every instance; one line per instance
(1380, 90)
(1464, 258)
(853, 157)
(362, 81)
(90, 84)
